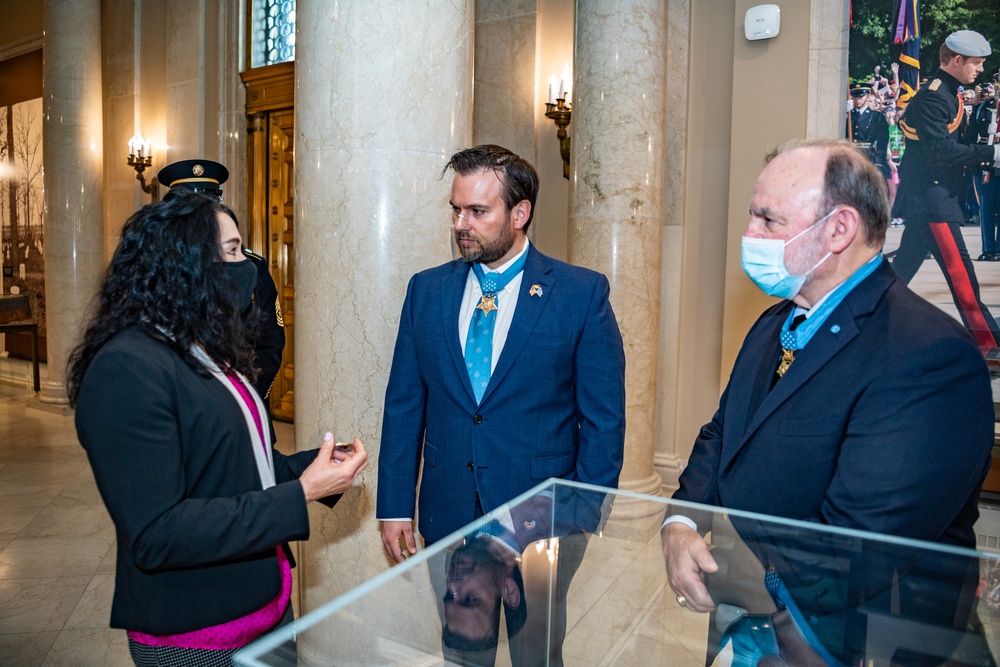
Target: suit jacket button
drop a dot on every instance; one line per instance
(470, 466)
(477, 419)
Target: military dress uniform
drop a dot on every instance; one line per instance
(932, 185)
(987, 189)
(270, 340)
(869, 131)
(208, 176)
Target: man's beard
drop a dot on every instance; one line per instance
(488, 252)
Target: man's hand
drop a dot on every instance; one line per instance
(393, 532)
(686, 556)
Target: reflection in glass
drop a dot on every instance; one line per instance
(787, 592)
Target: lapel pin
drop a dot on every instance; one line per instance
(835, 329)
(536, 290)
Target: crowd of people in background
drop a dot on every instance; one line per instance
(881, 138)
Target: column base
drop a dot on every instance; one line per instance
(649, 485)
(61, 409)
(669, 467)
(52, 399)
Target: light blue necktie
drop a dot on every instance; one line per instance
(479, 344)
(795, 334)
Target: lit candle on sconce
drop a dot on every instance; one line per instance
(140, 156)
(138, 146)
(565, 82)
(558, 110)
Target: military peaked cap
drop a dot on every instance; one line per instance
(200, 175)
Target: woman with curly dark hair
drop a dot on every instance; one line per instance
(180, 444)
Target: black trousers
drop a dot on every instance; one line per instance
(944, 241)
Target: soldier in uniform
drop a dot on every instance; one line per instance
(983, 130)
(932, 182)
(867, 128)
(208, 176)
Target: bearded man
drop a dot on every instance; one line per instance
(508, 367)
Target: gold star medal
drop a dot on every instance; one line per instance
(787, 357)
(487, 303)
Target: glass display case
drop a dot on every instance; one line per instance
(573, 574)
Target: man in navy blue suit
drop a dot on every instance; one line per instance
(853, 402)
(508, 367)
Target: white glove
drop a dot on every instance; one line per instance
(992, 129)
(996, 156)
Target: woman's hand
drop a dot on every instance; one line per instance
(334, 469)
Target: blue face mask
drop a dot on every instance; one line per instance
(764, 262)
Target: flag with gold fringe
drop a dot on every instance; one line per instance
(906, 15)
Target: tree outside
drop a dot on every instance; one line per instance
(873, 25)
(22, 238)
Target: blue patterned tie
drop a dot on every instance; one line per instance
(479, 344)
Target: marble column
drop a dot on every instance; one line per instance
(383, 97)
(616, 193)
(74, 157)
(669, 391)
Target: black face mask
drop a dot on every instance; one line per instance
(244, 277)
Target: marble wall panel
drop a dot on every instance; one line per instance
(231, 121)
(120, 52)
(185, 37)
(677, 58)
(122, 192)
(829, 33)
(505, 83)
(491, 10)
(185, 118)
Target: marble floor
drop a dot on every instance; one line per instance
(57, 546)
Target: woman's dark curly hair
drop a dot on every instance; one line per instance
(167, 277)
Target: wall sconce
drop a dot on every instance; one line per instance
(140, 156)
(559, 110)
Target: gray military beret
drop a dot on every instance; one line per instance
(968, 43)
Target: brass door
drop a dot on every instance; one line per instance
(281, 251)
(270, 205)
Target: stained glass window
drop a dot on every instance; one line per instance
(273, 32)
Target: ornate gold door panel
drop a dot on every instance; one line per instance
(270, 205)
(281, 249)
